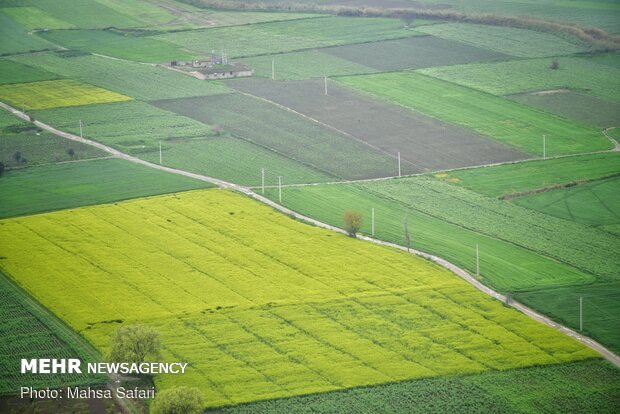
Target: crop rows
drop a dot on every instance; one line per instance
(513, 391)
(27, 333)
(424, 143)
(594, 251)
(287, 134)
(291, 309)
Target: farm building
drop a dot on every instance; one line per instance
(212, 69)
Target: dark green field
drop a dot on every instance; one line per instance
(59, 186)
(590, 386)
(574, 105)
(27, 331)
(412, 53)
(601, 307)
(13, 72)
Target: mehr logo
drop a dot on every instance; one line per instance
(51, 366)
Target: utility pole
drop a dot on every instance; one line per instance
(399, 163)
(262, 173)
(477, 260)
(280, 188)
(325, 84)
(81, 136)
(273, 69)
(580, 313)
(544, 147)
(160, 153)
(372, 221)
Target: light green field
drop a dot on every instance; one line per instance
(595, 204)
(272, 309)
(129, 126)
(304, 65)
(56, 94)
(508, 40)
(528, 176)
(74, 184)
(16, 39)
(532, 75)
(132, 79)
(78, 13)
(34, 18)
(130, 47)
(504, 120)
(288, 36)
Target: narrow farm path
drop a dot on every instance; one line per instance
(612, 139)
(609, 355)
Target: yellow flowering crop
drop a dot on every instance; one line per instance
(55, 94)
(262, 306)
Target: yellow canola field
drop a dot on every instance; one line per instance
(55, 94)
(260, 305)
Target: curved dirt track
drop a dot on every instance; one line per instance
(609, 355)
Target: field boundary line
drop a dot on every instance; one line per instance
(463, 274)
